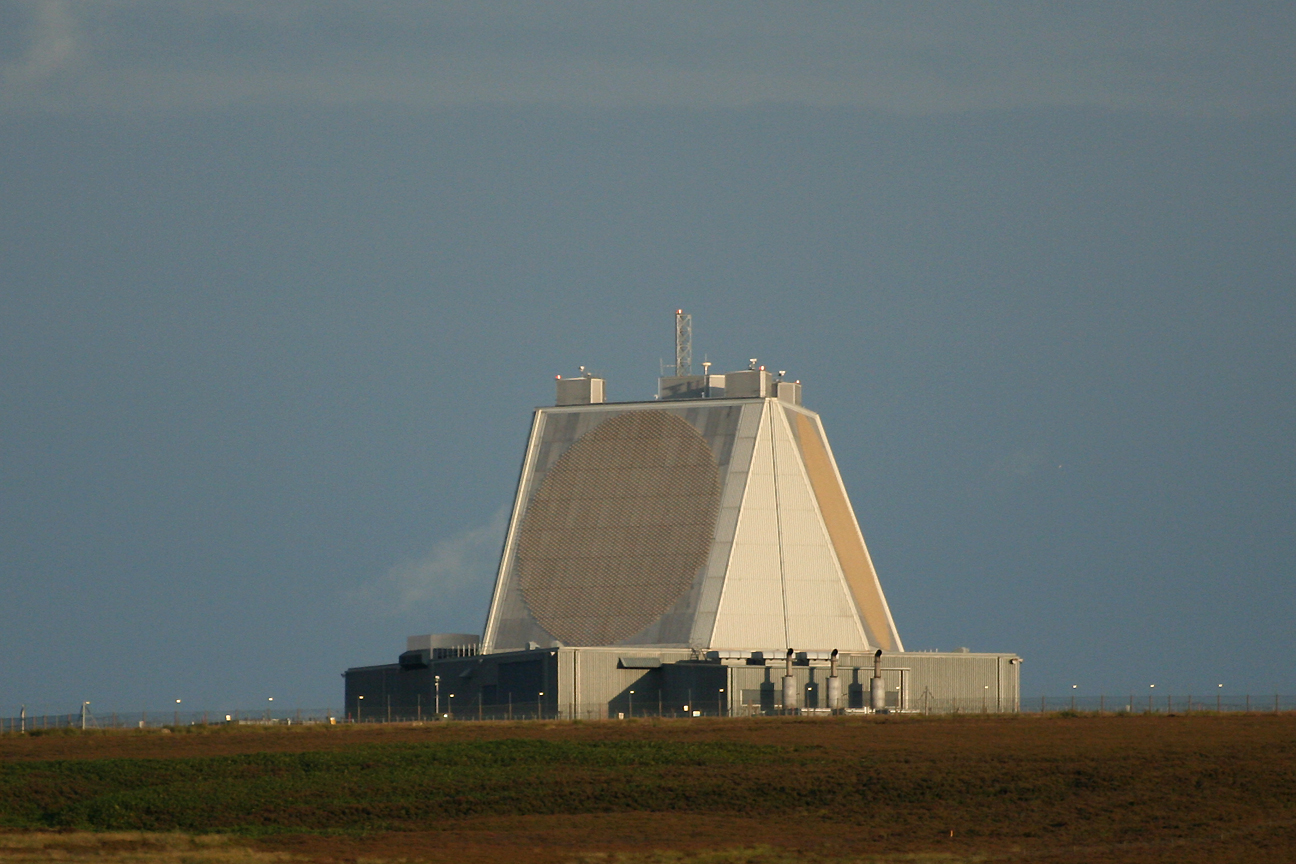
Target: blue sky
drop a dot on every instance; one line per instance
(279, 286)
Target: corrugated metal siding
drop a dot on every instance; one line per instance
(913, 682)
(600, 688)
(587, 683)
(955, 681)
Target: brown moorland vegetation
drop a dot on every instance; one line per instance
(1200, 787)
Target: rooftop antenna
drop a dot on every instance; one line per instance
(683, 343)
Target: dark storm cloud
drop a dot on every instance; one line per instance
(913, 58)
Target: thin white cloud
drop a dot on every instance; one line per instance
(907, 57)
(50, 47)
(456, 573)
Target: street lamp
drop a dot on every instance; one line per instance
(631, 703)
(359, 705)
(437, 680)
(539, 709)
(450, 707)
(720, 703)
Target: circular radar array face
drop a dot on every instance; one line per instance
(618, 530)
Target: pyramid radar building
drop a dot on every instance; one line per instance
(712, 523)
(679, 546)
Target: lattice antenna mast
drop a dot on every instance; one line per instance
(683, 343)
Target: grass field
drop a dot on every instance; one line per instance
(887, 789)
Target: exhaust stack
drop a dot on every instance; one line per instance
(834, 684)
(789, 685)
(877, 692)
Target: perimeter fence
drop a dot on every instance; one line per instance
(926, 703)
(1160, 703)
(923, 704)
(40, 722)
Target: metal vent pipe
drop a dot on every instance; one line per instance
(834, 683)
(789, 685)
(877, 692)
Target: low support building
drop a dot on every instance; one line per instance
(603, 683)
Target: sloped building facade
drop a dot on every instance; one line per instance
(710, 524)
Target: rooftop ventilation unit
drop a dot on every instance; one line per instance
(583, 390)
